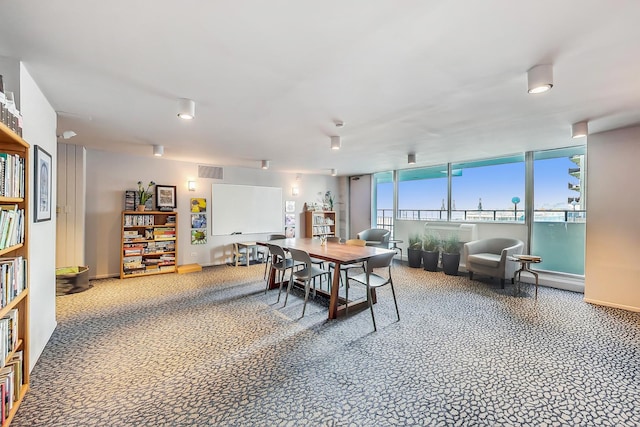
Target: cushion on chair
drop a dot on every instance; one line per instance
(490, 260)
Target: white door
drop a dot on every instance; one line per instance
(359, 204)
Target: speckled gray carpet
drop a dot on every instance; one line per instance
(211, 348)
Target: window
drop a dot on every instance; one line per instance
(422, 193)
(488, 190)
(559, 227)
(383, 200)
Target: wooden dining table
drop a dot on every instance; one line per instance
(337, 253)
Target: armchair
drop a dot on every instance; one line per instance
(489, 257)
(375, 237)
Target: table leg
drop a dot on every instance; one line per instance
(335, 287)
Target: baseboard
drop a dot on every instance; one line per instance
(613, 305)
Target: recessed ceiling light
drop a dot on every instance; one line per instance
(158, 150)
(579, 130)
(265, 164)
(336, 142)
(186, 108)
(411, 159)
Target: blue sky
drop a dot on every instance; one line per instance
(495, 185)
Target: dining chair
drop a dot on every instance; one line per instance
(304, 275)
(373, 280)
(239, 254)
(281, 263)
(266, 254)
(344, 268)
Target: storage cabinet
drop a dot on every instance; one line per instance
(149, 243)
(14, 298)
(320, 223)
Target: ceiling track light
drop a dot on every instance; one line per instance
(579, 130)
(186, 108)
(336, 142)
(265, 164)
(540, 78)
(158, 150)
(334, 172)
(411, 159)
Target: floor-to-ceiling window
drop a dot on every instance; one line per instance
(383, 200)
(422, 193)
(559, 226)
(488, 190)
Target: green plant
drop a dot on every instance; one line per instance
(144, 194)
(451, 245)
(430, 242)
(415, 242)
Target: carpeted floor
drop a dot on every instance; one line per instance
(211, 348)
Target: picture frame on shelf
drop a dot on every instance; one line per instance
(42, 182)
(165, 197)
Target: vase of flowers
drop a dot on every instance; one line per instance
(144, 194)
(328, 200)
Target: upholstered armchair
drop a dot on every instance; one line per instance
(489, 257)
(375, 237)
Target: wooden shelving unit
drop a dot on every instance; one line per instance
(14, 307)
(320, 223)
(149, 243)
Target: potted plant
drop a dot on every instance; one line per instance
(144, 194)
(414, 252)
(451, 255)
(430, 252)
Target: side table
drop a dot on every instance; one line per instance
(525, 261)
(395, 247)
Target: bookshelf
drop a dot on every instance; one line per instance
(14, 289)
(149, 243)
(320, 223)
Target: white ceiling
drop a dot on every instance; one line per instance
(444, 79)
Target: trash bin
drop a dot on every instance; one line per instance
(71, 280)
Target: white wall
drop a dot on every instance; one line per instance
(612, 270)
(39, 128)
(70, 205)
(110, 174)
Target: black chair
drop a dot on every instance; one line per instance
(372, 280)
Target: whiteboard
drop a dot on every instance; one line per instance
(245, 209)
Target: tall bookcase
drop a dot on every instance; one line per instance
(149, 243)
(14, 249)
(320, 223)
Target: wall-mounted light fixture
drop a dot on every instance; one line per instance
(411, 159)
(191, 185)
(295, 191)
(540, 78)
(265, 164)
(186, 108)
(336, 142)
(158, 150)
(579, 130)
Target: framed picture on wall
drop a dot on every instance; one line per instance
(165, 197)
(42, 183)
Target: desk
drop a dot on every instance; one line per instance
(338, 253)
(525, 261)
(248, 246)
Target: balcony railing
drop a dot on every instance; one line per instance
(385, 216)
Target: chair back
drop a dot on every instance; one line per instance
(356, 242)
(277, 236)
(380, 261)
(301, 256)
(375, 234)
(334, 239)
(276, 252)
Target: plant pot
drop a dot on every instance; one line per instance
(430, 260)
(450, 263)
(414, 256)
(141, 208)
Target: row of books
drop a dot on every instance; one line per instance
(8, 335)
(13, 275)
(164, 233)
(137, 220)
(11, 378)
(11, 225)
(11, 175)
(321, 219)
(322, 229)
